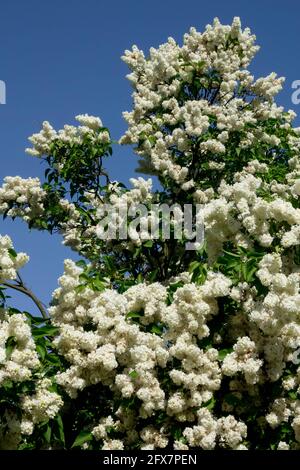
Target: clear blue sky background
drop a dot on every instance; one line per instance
(61, 58)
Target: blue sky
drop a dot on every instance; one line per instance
(62, 58)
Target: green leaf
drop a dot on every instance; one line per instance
(34, 319)
(134, 315)
(157, 329)
(133, 374)
(176, 432)
(13, 310)
(8, 384)
(210, 404)
(52, 359)
(293, 395)
(232, 399)
(152, 275)
(244, 270)
(26, 446)
(81, 263)
(234, 255)
(45, 331)
(60, 429)
(80, 287)
(223, 353)
(41, 350)
(10, 345)
(47, 434)
(152, 139)
(83, 436)
(250, 273)
(98, 285)
(201, 63)
(193, 265)
(12, 253)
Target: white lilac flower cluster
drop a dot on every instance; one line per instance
(243, 360)
(10, 261)
(119, 207)
(20, 363)
(227, 431)
(285, 411)
(25, 198)
(34, 409)
(169, 128)
(238, 212)
(22, 197)
(19, 360)
(215, 357)
(264, 331)
(125, 357)
(16, 365)
(90, 127)
(251, 210)
(43, 405)
(39, 407)
(124, 207)
(116, 342)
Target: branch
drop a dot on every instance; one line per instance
(22, 288)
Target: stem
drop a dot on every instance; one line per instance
(22, 288)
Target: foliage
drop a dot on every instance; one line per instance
(147, 344)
